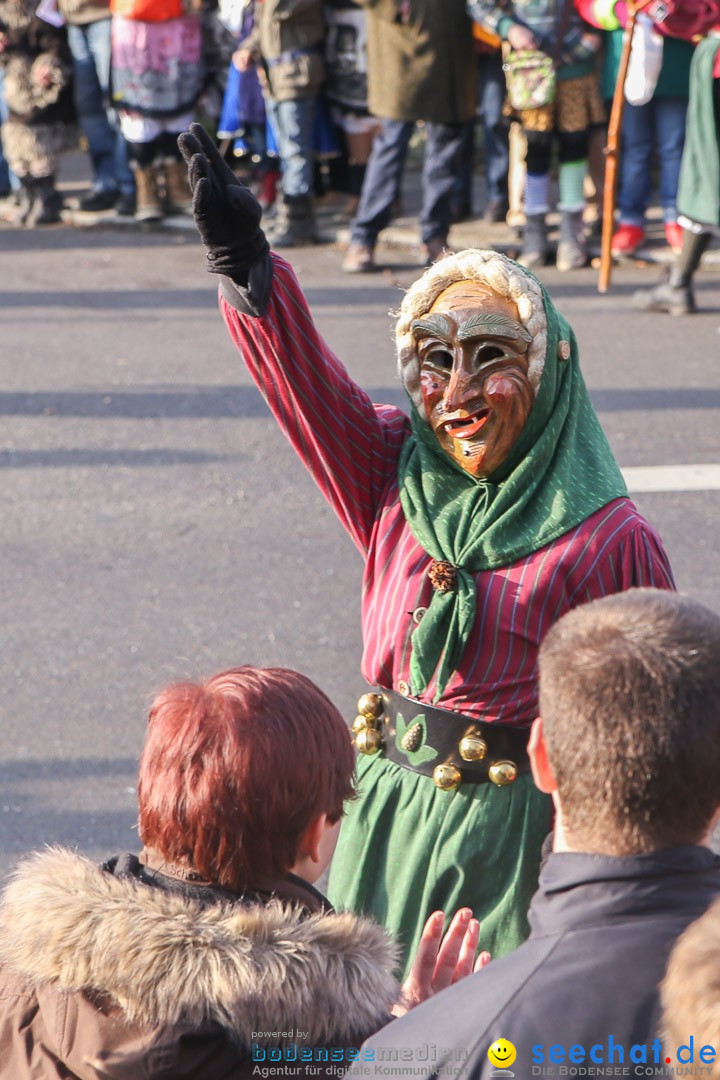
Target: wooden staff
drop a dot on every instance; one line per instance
(611, 154)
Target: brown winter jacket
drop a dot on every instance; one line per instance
(288, 39)
(423, 68)
(115, 974)
(82, 12)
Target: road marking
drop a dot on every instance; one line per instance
(649, 478)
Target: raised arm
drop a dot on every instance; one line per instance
(350, 446)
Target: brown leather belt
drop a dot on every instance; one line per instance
(451, 748)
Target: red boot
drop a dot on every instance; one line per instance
(627, 239)
(674, 236)
(268, 189)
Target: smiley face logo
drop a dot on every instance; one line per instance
(502, 1053)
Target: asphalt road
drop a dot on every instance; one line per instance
(155, 524)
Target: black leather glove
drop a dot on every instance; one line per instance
(227, 216)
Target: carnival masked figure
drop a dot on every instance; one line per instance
(490, 510)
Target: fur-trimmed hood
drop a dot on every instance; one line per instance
(162, 959)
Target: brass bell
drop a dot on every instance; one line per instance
(370, 705)
(472, 748)
(447, 777)
(369, 741)
(362, 722)
(503, 773)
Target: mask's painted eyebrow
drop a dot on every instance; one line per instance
(431, 325)
(493, 324)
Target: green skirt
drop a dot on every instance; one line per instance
(406, 849)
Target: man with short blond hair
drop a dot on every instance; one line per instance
(628, 746)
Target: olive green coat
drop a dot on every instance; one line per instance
(288, 37)
(422, 69)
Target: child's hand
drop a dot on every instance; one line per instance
(521, 37)
(242, 59)
(441, 961)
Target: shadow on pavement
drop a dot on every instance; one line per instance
(129, 459)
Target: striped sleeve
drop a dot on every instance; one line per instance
(624, 552)
(350, 446)
(644, 561)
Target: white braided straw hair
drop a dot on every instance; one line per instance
(505, 277)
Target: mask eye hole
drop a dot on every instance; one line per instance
(486, 353)
(440, 358)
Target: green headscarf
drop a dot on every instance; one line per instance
(560, 471)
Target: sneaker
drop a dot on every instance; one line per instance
(359, 258)
(627, 239)
(125, 204)
(674, 234)
(97, 200)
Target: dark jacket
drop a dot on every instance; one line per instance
(601, 932)
(421, 65)
(288, 36)
(125, 974)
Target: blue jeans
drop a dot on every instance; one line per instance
(293, 125)
(491, 98)
(661, 124)
(384, 175)
(90, 47)
(8, 179)
(496, 151)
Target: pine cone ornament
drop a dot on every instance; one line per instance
(443, 576)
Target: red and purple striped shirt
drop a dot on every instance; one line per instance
(351, 448)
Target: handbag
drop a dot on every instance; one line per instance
(530, 78)
(646, 59)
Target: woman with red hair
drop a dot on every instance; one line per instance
(211, 951)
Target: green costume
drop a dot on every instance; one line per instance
(699, 187)
(553, 530)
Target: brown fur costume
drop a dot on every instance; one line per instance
(40, 123)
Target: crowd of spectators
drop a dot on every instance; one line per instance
(290, 84)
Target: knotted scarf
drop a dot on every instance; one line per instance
(560, 471)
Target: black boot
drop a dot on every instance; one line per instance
(295, 223)
(25, 200)
(48, 203)
(675, 295)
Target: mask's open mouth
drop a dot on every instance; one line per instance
(468, 425)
